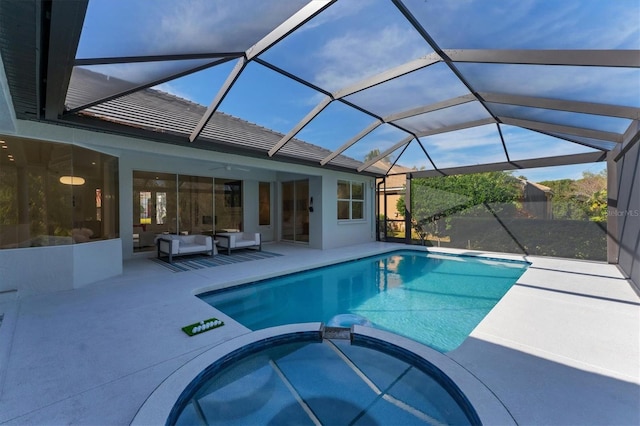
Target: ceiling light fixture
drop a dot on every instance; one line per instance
(71, 180)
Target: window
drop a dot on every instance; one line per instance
(156, 210)
(161, 208)
(98, 204)
(55, 194)
(170, 203)
(145, 207)
(264, 203)
(350, 200)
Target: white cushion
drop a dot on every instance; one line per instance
(191, 248)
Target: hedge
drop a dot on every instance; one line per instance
(557, 238)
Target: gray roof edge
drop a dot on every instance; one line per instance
(98, 125)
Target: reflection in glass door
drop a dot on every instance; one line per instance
(295, 211)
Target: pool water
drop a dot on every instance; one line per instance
(330, 382)
(432, 298)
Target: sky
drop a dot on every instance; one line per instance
(574, 172)
(356, 39)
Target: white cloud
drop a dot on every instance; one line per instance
(364, 52)
(445, 159)
(382, 138)
(423, 87)
(145, 72)
(524, 144)
(476, 145)
(336, 11)
(213, 26)
(313, 100)
(512, 24)
(483, 145)
(173, 90)
(619, 86)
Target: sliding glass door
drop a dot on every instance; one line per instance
(228, 205)
(295, 211)
(170, 203)
(195, 204)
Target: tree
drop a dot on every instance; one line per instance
(372, 154)
(597, 206)
(580, 199)
(564, 205)
(593, 187)
(440, 197)
(590, 183)
(445, 195)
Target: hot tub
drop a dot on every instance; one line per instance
(312, 374)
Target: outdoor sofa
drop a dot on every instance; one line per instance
(237, 240)
(177, 245)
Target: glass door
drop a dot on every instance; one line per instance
(265, 211)
(228, 205)
(195, 206)
(295, 211)
(154, 207)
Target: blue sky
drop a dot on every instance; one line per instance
(356, 39)
(560, 172)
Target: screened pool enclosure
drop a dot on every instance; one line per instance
(439, 87)
(414, 88)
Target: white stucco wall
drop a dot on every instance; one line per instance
(96, 261)
(36, 270)
(39, 270)
(337, 233)
(70, 266)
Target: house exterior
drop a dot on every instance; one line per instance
(537, 200)
(389, 191)
(68, 259)
(95, 156)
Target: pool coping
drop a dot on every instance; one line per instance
(434, 251)
(490, 410)
(158, 406)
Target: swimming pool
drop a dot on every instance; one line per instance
(435, 299)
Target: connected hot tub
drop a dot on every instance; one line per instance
(312, 374)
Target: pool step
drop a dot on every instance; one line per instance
(342, 333)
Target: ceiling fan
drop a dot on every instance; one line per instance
(230, 167)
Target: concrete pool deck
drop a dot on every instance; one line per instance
(562, 346)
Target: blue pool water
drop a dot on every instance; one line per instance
(305, 380)
(435, 299)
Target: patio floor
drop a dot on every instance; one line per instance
(562, 346)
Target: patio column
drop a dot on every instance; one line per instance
(613, 244)
(407, 210)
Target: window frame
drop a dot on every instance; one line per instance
(351, 200)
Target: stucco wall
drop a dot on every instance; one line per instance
(96, 261)
(67, 267)
(39, 270)
(337, 233)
